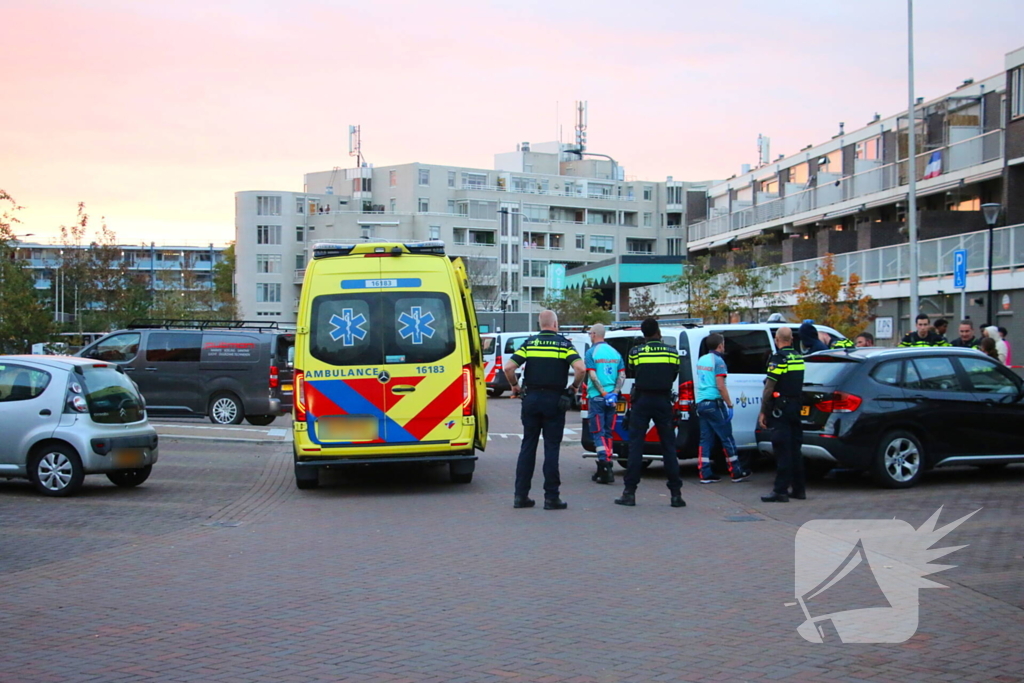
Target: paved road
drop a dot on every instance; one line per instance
(218, 569)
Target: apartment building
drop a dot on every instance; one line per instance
(541, 210)
(848, 196)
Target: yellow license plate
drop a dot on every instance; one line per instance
(620, 407)
(286, 387)
(129, 457)
(805, 410)
(348, 428)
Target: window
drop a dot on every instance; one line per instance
(931, 374)
(988, 378)
(485, 238)
(451, 178)
(602, 244)
(268, 263)
(648, 219)
(300, 261)
(173, 347)
(424, 176)
(300, 205)
(20, 383)
(746, 351)
(581, 241)
(377, 328)
(674, 195)
(451, 206)
(640, 246)
(435, 232)
(1017, 92)
(459, 236)
(392, 205)
(300, 235)
(474, 179)
(515, 253)
(674, 246)
(570, 189)
(392, 178)
(268, 206)
(111, 396)
(887, 373)
(268, 234)
(423, 206)
(119, 348)
(648, 193)
(268, 293)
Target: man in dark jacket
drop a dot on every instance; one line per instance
(809, 338)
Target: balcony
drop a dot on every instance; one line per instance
(847, 195)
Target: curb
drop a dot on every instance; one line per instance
(221, 439)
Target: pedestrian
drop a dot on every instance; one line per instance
(605, 374)
(548, 357)
(715, 410)
(1009, 351)
(841, 343)
(809, 339)
(992, 332)
(941, 326)
(780, 413)
(988, 347)
(922, 336)
(966, 338)
(864, 339)
(655, 368)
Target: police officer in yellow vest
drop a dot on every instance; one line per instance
(780, 413)
(656, 369)
(548, 357)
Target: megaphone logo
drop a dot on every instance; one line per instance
(874, 569)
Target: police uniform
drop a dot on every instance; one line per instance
(548, 357)
(786, 367)
(655, 368)
(971, 343)
(931, 339)
(843, 344)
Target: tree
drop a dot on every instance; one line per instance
(824, 299)
(23, 318)
(707, 293)
(578, 306)
(121, 294)
(750, 278)
(224, 283)
(642, 304)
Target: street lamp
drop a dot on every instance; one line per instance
(991, 212)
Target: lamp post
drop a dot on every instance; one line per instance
(991, 212)
(911, 164)
(504, 311)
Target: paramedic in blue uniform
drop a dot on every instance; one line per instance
(656, 371)
(548, 357)
(605, 375)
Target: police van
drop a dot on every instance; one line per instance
(747, 349)
(388, 363)
(498, 347)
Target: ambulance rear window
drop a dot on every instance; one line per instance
(374, 328)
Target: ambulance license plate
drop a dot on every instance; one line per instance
(129, 457)
(620, 407)
(805, 411)
(348, 428)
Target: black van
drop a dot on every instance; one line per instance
(224, 369)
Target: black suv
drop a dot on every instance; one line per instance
(899, 412)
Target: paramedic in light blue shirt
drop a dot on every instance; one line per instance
(714, 408)
(605, 374)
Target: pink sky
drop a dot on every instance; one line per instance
(155, 114)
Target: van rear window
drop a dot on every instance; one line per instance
(374, 328)
(487, 344)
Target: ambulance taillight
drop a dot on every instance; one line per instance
(299, 386)
(467, 390)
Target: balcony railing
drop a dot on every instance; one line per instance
(577, 193)
(952, 158)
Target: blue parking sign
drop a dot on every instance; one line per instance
(960, 268)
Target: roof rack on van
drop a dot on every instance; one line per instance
(671, 322)
(329, 249)
(173, 324)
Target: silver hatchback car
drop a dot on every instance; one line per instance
(63, 417)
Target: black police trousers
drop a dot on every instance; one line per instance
(540, 413)
(787, 436)
(648, 407)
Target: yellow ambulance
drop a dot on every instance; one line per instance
(388, 362)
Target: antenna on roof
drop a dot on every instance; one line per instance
(355, 145)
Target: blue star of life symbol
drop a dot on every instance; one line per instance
(416, 325)
(348, 328)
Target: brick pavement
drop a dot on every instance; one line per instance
(393, 574)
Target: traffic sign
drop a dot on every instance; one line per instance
(960, 268)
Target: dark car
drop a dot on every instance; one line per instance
(899, 412)
(226, 370)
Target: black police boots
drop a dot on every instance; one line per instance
(677, 501)
(628, 498)
(555, 503)
(522, 502)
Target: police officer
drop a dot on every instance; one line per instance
(780, 413)
(922, 336)
(655, 368)
(548, 357)
(842, 344)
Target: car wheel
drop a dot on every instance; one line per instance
(496, 393)
(56, 470)
(461, 472)
(129, 478)
(225, 409)
(260, 420)
(899, 463)
(307, 477)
